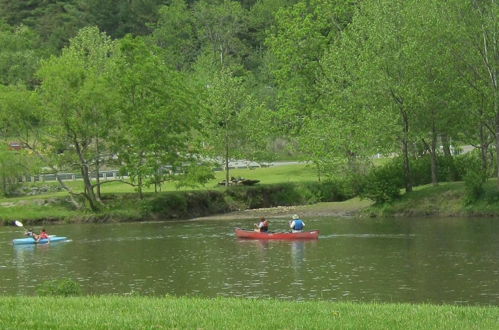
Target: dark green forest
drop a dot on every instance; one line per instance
(143, 84)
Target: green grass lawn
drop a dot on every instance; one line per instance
(42, 207)
(266, 175)
(106, 312)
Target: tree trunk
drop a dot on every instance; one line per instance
(226, 155)
(141, 194)
(483, 149)
(405, 153)
(85, 173)
(97, 168)
(446, 145)
(433, 152)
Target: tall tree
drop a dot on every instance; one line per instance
(78, 105)
(19, 56)
(175, 34)
(157, 115)
(298, 41)
(476, 50)
(220, 25)
(234, 123)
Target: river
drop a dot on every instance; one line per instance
(454, 261)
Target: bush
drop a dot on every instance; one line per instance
(62, 287)
(383, 184)
(473, 185)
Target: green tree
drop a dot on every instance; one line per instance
(476, 52)
(157, 115)
(175, 33)
(78, 106)
(298, 41)
(220, 25)
(19, 56)
(234, 123)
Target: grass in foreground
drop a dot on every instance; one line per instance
(107, 312)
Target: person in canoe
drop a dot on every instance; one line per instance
(296, 224)
(263, 225)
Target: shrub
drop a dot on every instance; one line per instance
(473, 185)
(61, 287)
(383, 184)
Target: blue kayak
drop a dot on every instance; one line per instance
(31, 240)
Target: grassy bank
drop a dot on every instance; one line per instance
(280, 186)
(446, 199)
(230, 313)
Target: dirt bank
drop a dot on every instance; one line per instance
(347, 208)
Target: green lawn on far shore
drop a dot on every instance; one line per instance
(47, 207)
(266, 175)
(115, 312)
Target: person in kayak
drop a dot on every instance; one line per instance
(263, 225)
(43, 235)
(296, 224)
(31, 233)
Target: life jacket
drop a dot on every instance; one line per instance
(298, 224)
(43, 235)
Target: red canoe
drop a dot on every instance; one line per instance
(241, 233)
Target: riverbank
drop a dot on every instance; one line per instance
(112, 312)
(349, 208)
(180, 205)
(447, 199)
(273, 201)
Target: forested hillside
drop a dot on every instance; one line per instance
(157, 88)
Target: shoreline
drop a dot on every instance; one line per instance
(349, 208)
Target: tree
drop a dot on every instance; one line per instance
(78, 106)
(234, 123)
(220, 25)
(19, 121)
(19, 56)
(476, 51)
(302, 34)
(157, 115)
(175, 33)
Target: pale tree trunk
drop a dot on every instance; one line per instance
(226, 156)
(433, 152)
(448, 155)
(97, 168)
(89, 191)
(488, 51)
(484, 145)
(446, 145)
(141, 194)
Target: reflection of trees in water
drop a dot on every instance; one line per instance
(260, 244)
(25, 258)
(297, 254)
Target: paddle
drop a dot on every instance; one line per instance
(20, 224)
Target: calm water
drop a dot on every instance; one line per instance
(425, 260)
